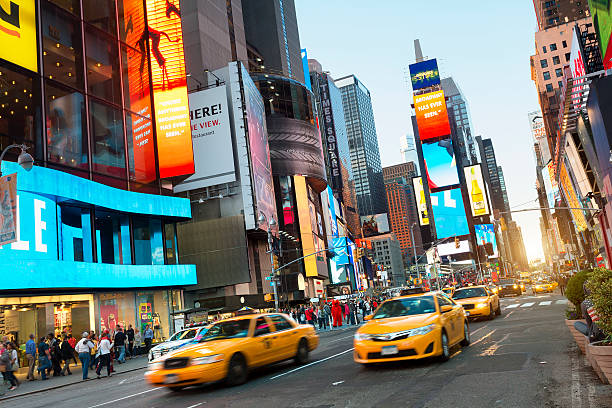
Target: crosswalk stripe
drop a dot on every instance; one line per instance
(512, 306)
(528, 304)
(546, 303)
(561, 301)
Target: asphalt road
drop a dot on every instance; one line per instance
(524, 358)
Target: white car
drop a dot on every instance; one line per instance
(177, 340)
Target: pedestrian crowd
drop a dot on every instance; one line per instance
(53, 356)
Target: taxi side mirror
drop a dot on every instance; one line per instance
(446, 308)
(368, 317)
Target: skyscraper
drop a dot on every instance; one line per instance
(363, 146)
(553, 13)
(459, 115)
(492, 176)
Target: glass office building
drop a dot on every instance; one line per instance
(95, 234)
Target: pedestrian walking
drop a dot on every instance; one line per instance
(73, 342)
(93, 363)
(56, 354)
(130, 336)
(148, 338)
(336, 311)
(137, 341)
(346, 312)
(119, 341)
(308, 314)
(104, 350)
(44, 358)
(12, 365)
(83, 348)
(67, 354)
(30, 349)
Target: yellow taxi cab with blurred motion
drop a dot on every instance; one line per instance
(449, 290)
(231, 347)
(542, 287)
(411, 327)
(478, 301)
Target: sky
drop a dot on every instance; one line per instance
(484, 45)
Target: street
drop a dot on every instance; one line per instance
(524, 358)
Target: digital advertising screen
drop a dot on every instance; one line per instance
(477, 190)
(449, 213)
(572, 199)
(485, 234)
(174, 147)
(374, 224)
(431, 115)
(601, 11)
(424, 74)
(18, 33)
(440, 164)
(421, 203)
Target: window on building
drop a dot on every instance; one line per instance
(564, 44)
(544, 49)
(546, 75)
(103, 78)
(560, 83)
(148, 245)
(559, 72)
(553, 47)
(68, 5)
(100, 13)
(567, 56)
(544, 63)
(549, 88)
(112, 238)
(556, 60)
(108, 148)
(75, 234)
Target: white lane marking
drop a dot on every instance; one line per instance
(122, 381)
(528, 304)
(477, 330)
(561, 301)
(310, 364)
(545, 303)
(513, 306)
(126, 397)
(342, 338)
(195, 405)
(337, 382)
(509, 314)
(484, 337)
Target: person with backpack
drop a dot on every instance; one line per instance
(67, 354)
(44, 356)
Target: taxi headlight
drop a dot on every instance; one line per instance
(481, 305)
(419, 331)
(156, 366)
(215, 358)
(515, 287)
(362, 336)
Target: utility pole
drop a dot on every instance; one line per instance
(414, 250)
(272, 223)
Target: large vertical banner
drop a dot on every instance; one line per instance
(477, 190)
(538, 131)
(8, 209)
(329, 130)
(18, 33)
(440, 164)
(421, 203)
(601, 11)
(424, 74)
(174, 148)
(431, 115)
(449, 213)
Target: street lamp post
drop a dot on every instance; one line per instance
(25, 160)
(272, 223)
(414, 250)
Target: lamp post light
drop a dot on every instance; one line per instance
(25, 160)
(414, 249)
(262, 218)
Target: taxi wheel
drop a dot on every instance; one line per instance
(445, 347)
(491, 312)
(498, 311)
(176, 389)
(301, 357)
(466, 334)
(237, 372)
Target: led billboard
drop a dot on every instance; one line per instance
(477, 190)
(450, 248)
(431, 115)
(165, 39)
(421, 203)
(572, 199)
(538, 131)
(485, 234)
(18, 33)
(440, 164)
(424, 74)
(601, 11)
(374, 224)
(212, 140)
(449, 213)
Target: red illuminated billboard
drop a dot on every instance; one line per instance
(431, 115)
(168, 76)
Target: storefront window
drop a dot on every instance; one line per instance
(20, 113)
(76, 241)
(117, 309)
(153, 311)
(148, 243)
(62, 45)
(100, 13)
(112, 238)
(68, 5)
(103, 78)
(107, 140)
(66, 127)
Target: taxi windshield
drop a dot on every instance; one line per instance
(231, 329)
(405, 307)
(469, 293)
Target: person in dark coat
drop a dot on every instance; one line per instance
(67, 353)
(56, 354)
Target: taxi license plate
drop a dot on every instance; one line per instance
(171, 379)
(388, 350)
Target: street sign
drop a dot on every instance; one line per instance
(268, 277)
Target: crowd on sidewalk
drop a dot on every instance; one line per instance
(53, 356)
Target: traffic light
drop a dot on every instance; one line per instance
(457, 243)
(269, 297)
(275, 264)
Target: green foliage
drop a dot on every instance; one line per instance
(572, 314)
(575, 292)
(599, 283)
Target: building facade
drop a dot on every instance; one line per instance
(363, 146)
(459, 117)
(551, 13)
(388, 254)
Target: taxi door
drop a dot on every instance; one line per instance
(287, 337)
(451, 320)
(263, 342)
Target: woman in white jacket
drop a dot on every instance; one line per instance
(104, 349)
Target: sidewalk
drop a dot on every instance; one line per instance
(29, 387)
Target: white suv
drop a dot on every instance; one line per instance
(177, 340)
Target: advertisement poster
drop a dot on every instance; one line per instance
(572, 200)
(212, 140)
(421, 203)
(477, 190)
(485, 234)
(18, 33)
(145, 313)
(431, 115)
(374, 224)
(8, 209)
(174, 148)
(261, 168)
(538, 131)
(440, 164)
(108, 314)
(601, 11)
(424, 74)
(449, 213)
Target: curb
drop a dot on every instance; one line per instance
(64, 385)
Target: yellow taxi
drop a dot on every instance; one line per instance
(411, 327)
(543, 287)
(231, 347)
(478, 301)
(449, 290)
